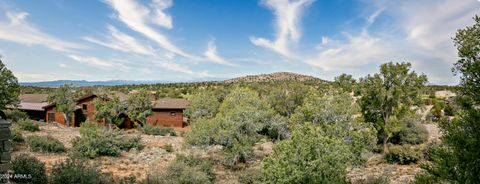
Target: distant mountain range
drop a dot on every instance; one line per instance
(278, 76)
(81, 83)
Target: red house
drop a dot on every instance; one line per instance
(165, 112)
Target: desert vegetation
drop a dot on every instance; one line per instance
(267, 131)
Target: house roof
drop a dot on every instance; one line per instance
(32, 106)
(32, 102)
(33, 98)
(170, 103)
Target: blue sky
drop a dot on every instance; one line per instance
(181, 40)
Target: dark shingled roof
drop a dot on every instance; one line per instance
(170, 103)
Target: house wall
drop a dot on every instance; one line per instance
(164, 117)
(58, 116)
(90, 107)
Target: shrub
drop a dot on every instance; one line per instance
(128, 180)
(28, 125)
(16, 136)
(404, 154)
(431, 149)
(374, 180)
(183, 170)
(46, 144)
(31, 167)
(96, 140)
(250, 176)
(16, 115)
(308, 157)
(158, 130)
(411, 133)
(74, 171)
(448, 110)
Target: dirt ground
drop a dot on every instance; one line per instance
(153, 156)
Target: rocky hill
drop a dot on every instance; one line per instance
(278, 76)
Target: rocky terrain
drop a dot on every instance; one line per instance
(278, 76)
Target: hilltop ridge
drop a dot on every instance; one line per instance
(277, 76)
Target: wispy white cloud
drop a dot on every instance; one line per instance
(356, 51)
(17, 29)
(140, 18)
(123, 42)
(212, 55)
(287, 25)
(105, 64)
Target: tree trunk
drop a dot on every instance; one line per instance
(67, 121)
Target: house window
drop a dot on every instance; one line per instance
(173, 113)
(84, 106)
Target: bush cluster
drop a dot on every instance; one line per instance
(411, 133)
(26, 164)
(96, 140)
(250, 176)
(16, 136)
(46, 144)
(185, 169)
(374, 180)
(404, 154)
(16, 115)
(28, 125)
(158, 130)
(75, 171)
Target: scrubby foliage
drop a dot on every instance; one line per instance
(457, 160)
(9, 88)
(250, 176)
(374, 180)
(46, 144)
(411, 132)
(203, 104)
(16, 136)
(183, 170)
(158, 130)
(286, 98)
(108, 107)
(75, 171)
(65, 100)
(300, 159)
(404, 154)
(24, 165)
(96, 141)
(139, 106)
(336, 114)
(28, 125)
(15, 115)
(242, 117)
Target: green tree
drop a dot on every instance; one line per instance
(139, 106)
(202, 105)
(109, 108)
(9, 88)
(64, 98)
(286, 97)
(345, 82)
(457, 160)
(237, 126)
(387, 96)
(308, 156)
(337, 116)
